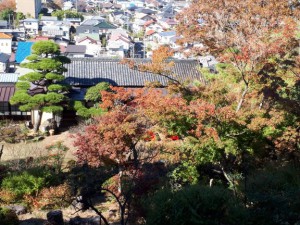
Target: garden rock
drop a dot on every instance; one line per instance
(55, 217)
(85, 221)
(18, 209)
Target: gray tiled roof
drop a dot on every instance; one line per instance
(4, 57)
(3, 23)
(90, 71)
(76, 49)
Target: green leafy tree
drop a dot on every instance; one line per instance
(6, 13)
(67, 14)
(41, 89)
(92, 96)
(19, 16)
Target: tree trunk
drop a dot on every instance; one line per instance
(242, 99)
(1, 151)
(38, 121)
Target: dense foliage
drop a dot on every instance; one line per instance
(41, 89)
(243, 121)
(226, 151)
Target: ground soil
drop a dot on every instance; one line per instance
(13, 153)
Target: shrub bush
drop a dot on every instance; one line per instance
(8, 217)
(7, 196)
(53, 197)
(195, 205)
(29, 182)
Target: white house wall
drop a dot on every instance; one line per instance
(5, 46)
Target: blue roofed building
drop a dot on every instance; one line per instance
(23, 50)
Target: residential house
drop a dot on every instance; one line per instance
(3, 24)
(143, 16)
(67, 5)
(208, 61)
(153, 26)
(119, 17)
(88, 27)
(31, 26)
(106, 7)
(165, 15)
(73, 21)
(149, 23)
(105, 28)
(5, 43)
(48, 20)
(86, 72)
(153, 4)
(75, 51)
(4, 62)
(138, 26)
(23, 50)
(165, 37)
(145, 11)
(93, 46)
(29, 7)
(119, 45)
(7, 90)
(149, 35)
(58, 30)
(167, 23)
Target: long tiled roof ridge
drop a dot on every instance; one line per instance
(135, 59)
(90, 71)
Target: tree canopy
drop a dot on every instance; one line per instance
(41, 89)
(228, 132)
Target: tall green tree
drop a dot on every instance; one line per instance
(41, 89)
(6, 13)
(66, 14)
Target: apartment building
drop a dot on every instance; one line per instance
(31, 7)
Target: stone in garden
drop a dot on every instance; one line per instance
(18, 209)
(55, 217)
(85, 221)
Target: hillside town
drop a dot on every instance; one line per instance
(94, 33)
(149, 112)
(118, 29)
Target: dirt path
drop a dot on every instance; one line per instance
(37, 149)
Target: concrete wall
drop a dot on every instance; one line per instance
(32, 7)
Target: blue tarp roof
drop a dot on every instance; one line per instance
(23, 50)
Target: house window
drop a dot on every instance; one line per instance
(86, 31)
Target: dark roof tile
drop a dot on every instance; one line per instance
(90, 71)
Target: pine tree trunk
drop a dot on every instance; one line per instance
(38, 121)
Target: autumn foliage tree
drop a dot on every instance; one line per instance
(160, 62)
(259, 36)
(7, 4)
(243, 118)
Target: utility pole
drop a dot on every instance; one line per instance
(9, 25)
(144, 46)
